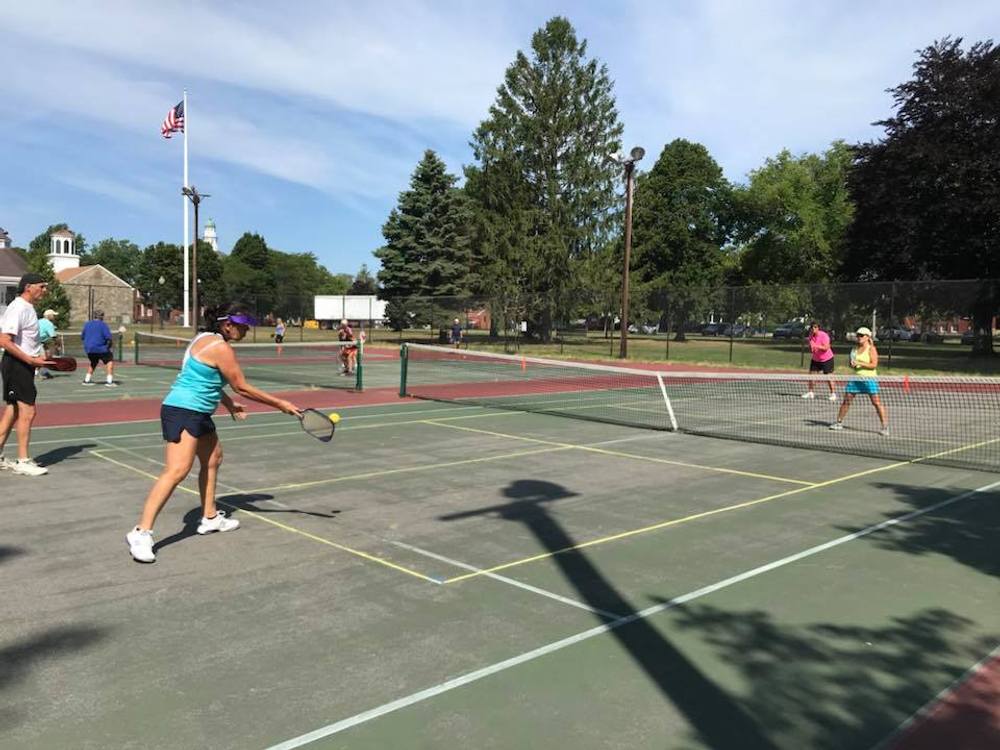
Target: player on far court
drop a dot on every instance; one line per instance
(98, 345)
(822, 359)
(348, 354)
(864, 361)
(456, 334)
(186, 419)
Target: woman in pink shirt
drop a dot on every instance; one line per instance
(822, 358)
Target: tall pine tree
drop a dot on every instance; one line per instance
(426, 251)
(543, 185)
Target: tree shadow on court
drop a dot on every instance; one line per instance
(966, 531)
(56, 455)
(832, 687)
(720, 721)
(18, 659)
(7, 552)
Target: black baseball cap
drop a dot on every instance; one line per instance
(28, 279)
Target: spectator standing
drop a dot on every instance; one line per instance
(456, 333)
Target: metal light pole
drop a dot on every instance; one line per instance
(161, 281)
(629, 164)
(195, 197)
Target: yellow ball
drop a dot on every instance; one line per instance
(335, 418)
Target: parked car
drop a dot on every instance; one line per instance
(650, 328)
(969, 336)
(792, 330)
(931, 337)
(714, 329)
(898, 333)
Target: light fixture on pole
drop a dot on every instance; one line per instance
(195, 197)
(628, 163)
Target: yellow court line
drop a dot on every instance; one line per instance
(717, 511)
(286, 527)
(409, 469)
(620, 454)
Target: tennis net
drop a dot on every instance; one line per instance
(309, 364)
(952, 421)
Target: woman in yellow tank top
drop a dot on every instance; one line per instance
(864, 360)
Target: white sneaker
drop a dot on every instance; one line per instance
(808, 394)
(140, 545)
(836, 426)
(111, 385)
(88, 382)
(4, 463)
(27, 467)
(832, 397)
(219, 523)
(884, 432)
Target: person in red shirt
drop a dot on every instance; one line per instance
(822, 359)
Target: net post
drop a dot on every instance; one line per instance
(359, 379)
(666, 401)
(403, 358)
(135, 349)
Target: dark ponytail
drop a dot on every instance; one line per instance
(216, 316)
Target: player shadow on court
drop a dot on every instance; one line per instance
(240, 502)
(17, 660)
(966, 530)
(7, 552)
(721, 722)
(56, 455)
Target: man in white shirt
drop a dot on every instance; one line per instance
(21, 355)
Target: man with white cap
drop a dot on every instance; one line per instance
(864, 362)
(47, 337)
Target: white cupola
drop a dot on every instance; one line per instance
(62, 250)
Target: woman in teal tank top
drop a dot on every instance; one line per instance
(186, 419)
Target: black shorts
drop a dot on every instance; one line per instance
(174, 420)
(18, 380)
(824, 367)
(279, 338)
(96, 357)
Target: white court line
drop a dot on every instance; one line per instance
(510, 581)
(585, 635)
(928, 708)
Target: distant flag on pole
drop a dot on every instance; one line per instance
(174, 121)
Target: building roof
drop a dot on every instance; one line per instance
(68, 275)
(11, 263)
(63, 233)
(3, 233)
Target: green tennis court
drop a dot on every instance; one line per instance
(448, 575)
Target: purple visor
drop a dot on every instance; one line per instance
(241, 319)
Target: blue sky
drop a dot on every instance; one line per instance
(307, 118)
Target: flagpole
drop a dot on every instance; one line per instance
(184, 203)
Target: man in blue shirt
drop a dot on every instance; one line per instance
(97, 343)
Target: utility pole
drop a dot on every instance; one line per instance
(195, 197)
(629, 164)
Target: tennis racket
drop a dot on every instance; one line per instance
(319, 425)
(63, 364)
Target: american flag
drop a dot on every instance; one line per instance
(174, 121)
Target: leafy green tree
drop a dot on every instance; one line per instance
(364, 282)
(927, 195)
(679, 227)
(162, 260)
(122, 257)
(543, 185)
(211, 287)
(427, 251)
(249, 274)
(792, 218)
(38, 262)
(334, 283)
(298, 278)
